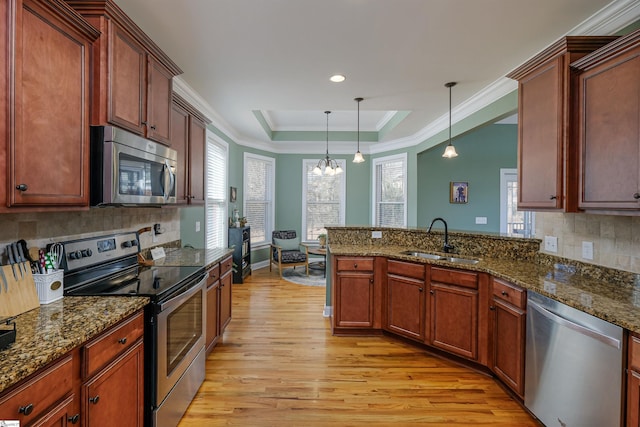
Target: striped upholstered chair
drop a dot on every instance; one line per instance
(285, 251)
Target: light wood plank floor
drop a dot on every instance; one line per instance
(279, 365)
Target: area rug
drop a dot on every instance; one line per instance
(298, 276)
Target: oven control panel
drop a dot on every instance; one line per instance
(88, 252)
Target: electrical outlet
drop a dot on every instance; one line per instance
(376, 234)
(481, 220)
(197, 226)
(551, 244)
(587, 250)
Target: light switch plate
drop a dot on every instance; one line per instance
(481, 220)
(551, 244)
(157, 253)
(197, 226)
(376, 234)
(587, 250)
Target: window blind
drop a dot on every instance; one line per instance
(390, 192)
(258, 196)
(216, 208)
(323, 201)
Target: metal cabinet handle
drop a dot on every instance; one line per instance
(421, 290)
(95, 399)
(22, 187)
(144, 123)
(553, 197)
(26, 410)
(492, 308)
(636, 196)
(123, 340)
(153, 127)
(504, 293)
(74, 419)
(355, 265)
(432, 293)
(371, 281)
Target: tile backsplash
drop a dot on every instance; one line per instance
(39, 229)
(616, 239)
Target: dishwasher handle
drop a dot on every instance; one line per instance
(615, 343)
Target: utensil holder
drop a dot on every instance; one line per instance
(50, 286)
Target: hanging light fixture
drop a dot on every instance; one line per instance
(327, 165)
(357, 158)
(450, 151)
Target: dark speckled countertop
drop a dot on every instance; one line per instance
(51, 331)
(614, 299)
(193, 257)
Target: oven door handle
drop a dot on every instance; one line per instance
(187, 292)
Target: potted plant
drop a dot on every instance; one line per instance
(322, 239)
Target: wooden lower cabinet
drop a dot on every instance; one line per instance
(225, 300)
(508, 326)
(633, 380)
(353, 294)
(218, 302)
(405, 308)
(60, 416)
(115, 395)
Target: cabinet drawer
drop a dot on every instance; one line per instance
(406, 269)
(509, 293)
(355, 264)
(634, 352)
(214, 274)
(454, 277)
(225, 265)
(110, 344)
(39, 393)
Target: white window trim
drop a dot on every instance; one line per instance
(272, 214)
(343, 194)
(215, 139)
(374, 187)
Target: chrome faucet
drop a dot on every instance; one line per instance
(446, 247)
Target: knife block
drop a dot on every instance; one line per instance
(20, 294)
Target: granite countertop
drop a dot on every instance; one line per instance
(51, 331)
(615, 300)
(193, 257)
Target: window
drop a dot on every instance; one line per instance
(323, 200)
(259, 191)
(216, 208)
(390, 197)
(513, 221)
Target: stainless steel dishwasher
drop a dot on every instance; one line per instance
(573, 366)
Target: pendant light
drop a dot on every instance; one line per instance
(328, 166)
(357, 158)
(450, 151)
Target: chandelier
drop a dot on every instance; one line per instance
(328, 166)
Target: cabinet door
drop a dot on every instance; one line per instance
(405, 307)
(540, 124)
(508, 344)
(179, 142)
(197, 137)
(61, 415)
(225, 301)
(48, 142)
(128, 61)
(610, 134)
(633, 398)
(115, 396)
(212, 321)
(354, 300)
(454, 319)
(159, 93)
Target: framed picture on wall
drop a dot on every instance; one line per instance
(233, 192)
(459, 192)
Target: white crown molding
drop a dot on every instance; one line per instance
(612, 18)
(385, 119)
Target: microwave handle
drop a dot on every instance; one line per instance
(172, 181)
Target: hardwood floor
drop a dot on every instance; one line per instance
(279, 365)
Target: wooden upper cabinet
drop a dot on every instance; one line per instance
(188, 138)
(47, 154)
(132, 77)
(547, 148)
(609, 126)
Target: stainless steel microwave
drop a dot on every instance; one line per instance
(127, 169)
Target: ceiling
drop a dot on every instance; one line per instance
(262, 68)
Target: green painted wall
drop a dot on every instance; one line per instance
(481, 154)
(188, 218)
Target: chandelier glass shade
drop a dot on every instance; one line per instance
(327, 165)
(450, 151)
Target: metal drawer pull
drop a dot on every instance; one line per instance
(636, 196)
(22, 187)
(26, 410)
(504, 293)
(94, 400)
(123, 340)
(74, 419)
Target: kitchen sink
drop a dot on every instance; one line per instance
(437, 257)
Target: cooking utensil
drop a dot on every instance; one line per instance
(11, 261)
(56, 250)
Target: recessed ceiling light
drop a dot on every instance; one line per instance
(337, 78)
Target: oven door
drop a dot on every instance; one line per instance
(181, 323)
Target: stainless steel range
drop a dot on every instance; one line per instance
(174, 321)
